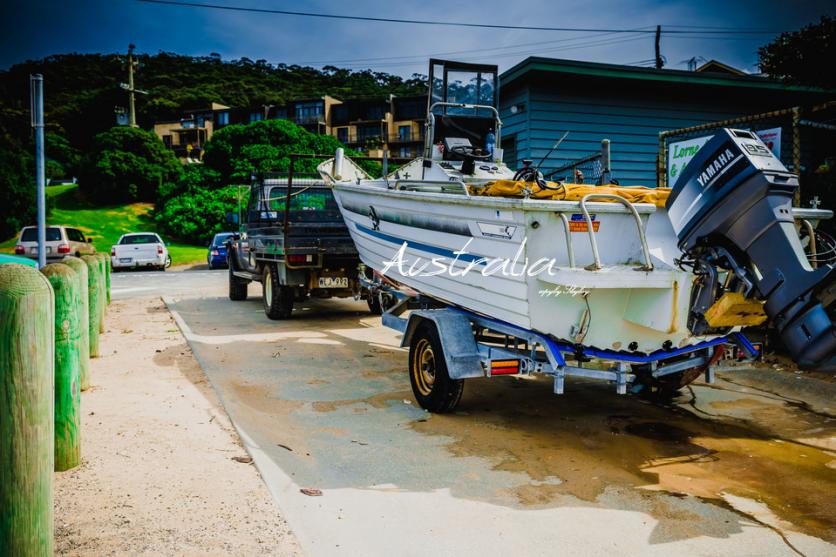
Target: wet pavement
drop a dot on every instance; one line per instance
(742, 467)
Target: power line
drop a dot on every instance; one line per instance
(431, 22)
(423, 57)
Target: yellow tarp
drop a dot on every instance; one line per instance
(572, 192)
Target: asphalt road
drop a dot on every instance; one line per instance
(322, 401)
(140, 284)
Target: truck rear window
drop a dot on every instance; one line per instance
(53, 234)
(139, 239)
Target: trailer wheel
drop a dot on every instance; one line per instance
(431, 384)
(278, 299)
(237, 287)
(668, 386)
(374, 304)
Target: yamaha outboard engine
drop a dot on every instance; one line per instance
(731, 209)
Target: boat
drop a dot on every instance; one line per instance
(604, 271)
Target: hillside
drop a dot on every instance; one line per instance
(81, 90)
(105, 224)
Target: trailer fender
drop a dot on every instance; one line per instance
(456, 333)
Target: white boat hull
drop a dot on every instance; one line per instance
(618, 307)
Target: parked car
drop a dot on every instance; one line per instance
(216, 257)
(139, 250)
(61, 241)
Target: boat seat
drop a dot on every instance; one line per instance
(571, 192)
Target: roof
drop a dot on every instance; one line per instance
(715, 66)
(616, 71)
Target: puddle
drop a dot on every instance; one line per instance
(592, 440)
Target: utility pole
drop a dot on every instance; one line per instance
(131, 90)
(129, 87)
(659, 63)
(36, 90)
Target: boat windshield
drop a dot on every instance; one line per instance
(456, 82)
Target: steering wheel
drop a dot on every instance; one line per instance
(469, 152)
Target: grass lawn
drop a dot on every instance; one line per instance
(105, 224)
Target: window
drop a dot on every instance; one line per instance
(223, 118)
(375, 113)
(256, 116)
(75, 235)
(308, 109)
(404, 132)
(220, 239)
(342, 135)
(53, 234)
(405, 152)
(139, 239)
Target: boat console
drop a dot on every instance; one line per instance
(731, 210)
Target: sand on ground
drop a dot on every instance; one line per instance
(159, 474)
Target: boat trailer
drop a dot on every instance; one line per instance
(473, 345)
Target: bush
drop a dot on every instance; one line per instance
(198, 214)
(18, 206)
(127, 165)
(236, 152)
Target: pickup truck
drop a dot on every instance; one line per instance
(293, 240)
(139, 250)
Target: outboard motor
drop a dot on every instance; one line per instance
(731, 209)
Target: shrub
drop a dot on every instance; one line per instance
(17, 192)
(196, 215)
(126, 165)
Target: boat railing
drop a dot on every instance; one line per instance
(436, 186)
(596, 265)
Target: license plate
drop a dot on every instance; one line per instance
(333, 282)
(124, 260)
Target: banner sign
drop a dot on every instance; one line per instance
(680, 154)
(772, 139)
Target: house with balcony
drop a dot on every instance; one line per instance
(188, 134)
(408, 117)
(362, 124)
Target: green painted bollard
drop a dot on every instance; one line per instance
(80, 267)
(26, 425)
(106, 258)
(102, 292)
(66, 284)
(94, 298)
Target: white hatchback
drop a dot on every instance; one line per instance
(61, 241)
(139, 250)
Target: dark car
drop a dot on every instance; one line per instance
(216, 258)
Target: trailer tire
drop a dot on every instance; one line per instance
(278, 298)
(374, 304)
(431, 384)
(668, 386)
(237, 287)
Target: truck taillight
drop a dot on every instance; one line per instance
(297, 259)
(63, 248)
(159, 249)
(214, 252)
(113, 252)
(20, 250)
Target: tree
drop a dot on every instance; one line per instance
(126, 165)
(197, 215)
(17, 192)
(803, 57)
(236, 152)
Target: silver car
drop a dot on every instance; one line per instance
(61, 241)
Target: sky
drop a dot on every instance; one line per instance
(34, 29)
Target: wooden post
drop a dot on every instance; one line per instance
(102, 292)
(106, 258)
(80, 267)
(92, 263)
(67, 288)
(26, 425)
